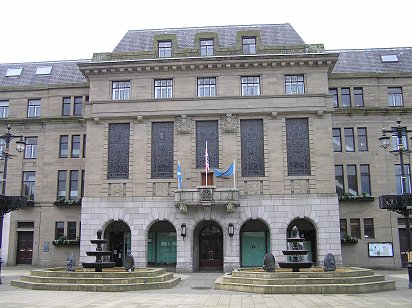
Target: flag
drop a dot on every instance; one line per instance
(206, 160)
(226, 173)
(179, 175)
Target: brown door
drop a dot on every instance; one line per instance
(211, 249)
(24, 247)
(209, 179)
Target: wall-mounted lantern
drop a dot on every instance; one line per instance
(183, 230)
(231, 229)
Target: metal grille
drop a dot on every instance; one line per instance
(297, 144)
(207, 131)
(162, 150)
(118, 166)
(252, 147)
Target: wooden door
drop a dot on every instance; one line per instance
(211, 249)
(24, 247)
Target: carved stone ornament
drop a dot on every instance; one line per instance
(230, 207)
(230, 123)
(117, 189)
(300, 186)
(182, 208)
(206, 195)
(162, 189)
(184, 124)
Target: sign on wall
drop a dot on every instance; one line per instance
(376, 249)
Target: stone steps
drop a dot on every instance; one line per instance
(350, 281)
(110, 281)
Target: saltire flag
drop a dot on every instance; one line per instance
(226, 173)
(206, 160)
(179, 175)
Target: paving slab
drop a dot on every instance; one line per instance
(196, 290)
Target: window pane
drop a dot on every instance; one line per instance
(118, 157)
(4, 109)
(339, 180)
(206, 87)
(163, 88)
(120, 90)
(297, 146)
(64, 146)
(249, 45)
(252, 147)
(349, 140)
(78, 106)
(355, 227)
(352, 180)
(334, 92)
(294, 84)
(30, 151)
(407, 180)
(207, 131)
(59, 231)
(28, 184)
(250, 86)
(162, 150)
(74, 185)
(337, 145)
(206, 47)
(369, 228)
(71, 230)
(75, 153)
(358, 97)
(61, 184)
(395, 97)
(66, 106)
(343, 227)
(365, 180)
(362, 139)
(345, 96)
(33, 110)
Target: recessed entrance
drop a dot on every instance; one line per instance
(308, 231)
(254, 243)
(161, 245)
(211, 248)
(119, 239)
(24, 247)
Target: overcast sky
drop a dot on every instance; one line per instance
(43, 30)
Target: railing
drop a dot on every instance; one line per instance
(11, 203)
(207, 196)
(396, 203)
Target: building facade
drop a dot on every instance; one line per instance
(294, 125)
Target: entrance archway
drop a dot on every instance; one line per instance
(208, 247)
(119, 241)
(161, 245)
(308, 231)
(254, 243)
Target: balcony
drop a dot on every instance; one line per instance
(68, 202)
(11, 203)
(396, 203)
(207, 196)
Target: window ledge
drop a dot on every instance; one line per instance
(356, 198)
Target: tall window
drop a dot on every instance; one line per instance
(395, 97)
(71, 230)
(165, 49)
(64, 146)
(121, 90)
(349, 140)
(337, 140)
(207, 131)
(29, 178)
(118, 156)
(67, 102)
(339, 180)
(30, 151)
(163, 88)
(2, 147)
(78, 106)
(362, 139)
(4, 109)
(343, 227)
(368, 227)
(82, 185)
(162, 150)
(358, 97)
(399, 184)
(365, 179)
(395, 140)
(297, 146)
(74, 185)
(335, 99)
(252, 147)
(59, 230)
(352, 180)
(250, 85)
(61, 184)
(206, 87)
(345, 97)
(355, 227)
(206, 48)
(294, 84)
(249, 45)
(33, 110)
(75, 151)
(84, 146)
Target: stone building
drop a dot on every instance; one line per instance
(298, 125)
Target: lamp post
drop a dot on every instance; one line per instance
(7, 204)
(402, 203)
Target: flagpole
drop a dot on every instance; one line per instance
(206, 163)
(234, 174)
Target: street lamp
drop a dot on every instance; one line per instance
(402, 203)
(8, 204)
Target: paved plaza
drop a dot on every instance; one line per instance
(196, 290)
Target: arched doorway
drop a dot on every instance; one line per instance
(254, 243)
(308, 231)
(161, 245)
(119, 241)
(210, 247)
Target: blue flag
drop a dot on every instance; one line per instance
(179, 176)
(226, 173)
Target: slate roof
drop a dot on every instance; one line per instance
(62, 73)
(369, 61)
(273, 35)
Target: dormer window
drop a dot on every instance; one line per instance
(14, 71)
(206, 48)
(44, 70)
(165, 49)
(249, 45)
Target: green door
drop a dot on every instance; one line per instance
(161, 249)
(254, 248)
